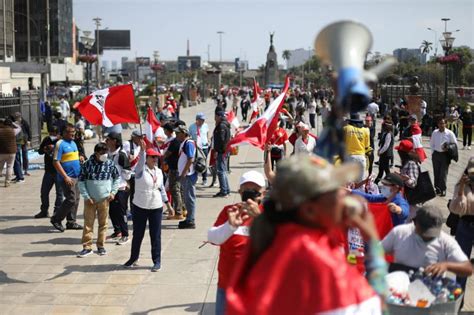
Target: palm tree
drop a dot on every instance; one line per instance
(426, 47)
(286, 55)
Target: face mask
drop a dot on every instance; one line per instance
(53, 138)
(103, 157)
(385, 191)
(250, 194)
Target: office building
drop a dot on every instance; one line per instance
(7, 31)
(407, 55)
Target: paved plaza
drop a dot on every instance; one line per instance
(40, 274)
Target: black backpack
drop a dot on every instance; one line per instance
(200, 160)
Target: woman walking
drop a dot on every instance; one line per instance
(385, 151)
(148, 202)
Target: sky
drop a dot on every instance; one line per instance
(165, 25)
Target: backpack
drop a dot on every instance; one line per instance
(200, 160)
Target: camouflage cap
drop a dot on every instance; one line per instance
(301, 178)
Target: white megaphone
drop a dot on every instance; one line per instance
(345, 45)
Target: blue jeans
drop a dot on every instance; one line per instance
(221, 165)
(206, 152)
(140, 217)
(465, 237)
(50, 180)
(17, 166)
(220, 301)
(189, 194)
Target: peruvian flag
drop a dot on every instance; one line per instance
(110, 106)
(261, 129)
(151, 126)
(417, 144)
(255, 104)
(232, 119)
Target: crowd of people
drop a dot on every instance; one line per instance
(295, 216)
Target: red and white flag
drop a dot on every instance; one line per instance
(417, 141)
(256, 100)
(151, 126)
(262, 129)
(110, 106)
(232, 119)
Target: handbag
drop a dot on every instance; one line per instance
(424, 190)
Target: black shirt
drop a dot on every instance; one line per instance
(48, 154)
(172, 159)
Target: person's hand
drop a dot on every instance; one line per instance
(171, 211)
(394, 208)
(28, 143)
(268, 147)
(110, 197)
(437, 269)
(464, 179)
(90, 202)
(68, 180)
(142, 144)
(81, 159)
(251, 208)
(236, 216)
(358, 216)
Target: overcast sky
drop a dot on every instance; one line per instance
(164, 25)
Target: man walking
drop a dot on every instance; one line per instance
(67, 164)
(221, 137)
(357, 142)
(99, 182)
(50, 176)
(199, 132)
(439, 143)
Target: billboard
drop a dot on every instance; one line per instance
(186, 63)
(113, 39)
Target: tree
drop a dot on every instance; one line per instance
(460, 69)
(426, 47)
(286, 55)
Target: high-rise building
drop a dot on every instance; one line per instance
(7, 31)
(114, 65)
(31, 25)
(406, 54)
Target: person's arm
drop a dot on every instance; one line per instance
(218, 235)
(369, 197)
(405, 208)
(267, 166)
(140, 165)
(461, 269)
(459, 202)
(82, 183)
(386, 144)
(44, 145)
(188, 149)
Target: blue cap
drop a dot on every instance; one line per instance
(201, 116)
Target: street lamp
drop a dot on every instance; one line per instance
(220, 44)
(88, 42)
(156, 67)
(447, 44)
(435, 41)
(97, 25)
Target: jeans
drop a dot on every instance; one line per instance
(189, 192)
(175, 191)
(312, 120)
(440, 169)
(204, 175)
(140, 217)
(50, 180)
(70, 203)
(24, 156)
(102, 209)
(465, 237)
(467, 135)
(221, 165)
(361, 160)
(17, 166)
(118, 212)
(384, 167)
(220, 301)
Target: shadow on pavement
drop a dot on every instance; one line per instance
(4, 218)
(28, 229)
(60, 241)
(88, 268)
(4, 279)
(50, 253)
(192, 308)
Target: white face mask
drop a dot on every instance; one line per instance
(385, 191)
(103, 157)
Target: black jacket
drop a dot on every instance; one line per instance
(48, 154)
(25, 127)
(221, 136)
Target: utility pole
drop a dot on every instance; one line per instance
(220, 44)
(28, 33)
(48, 37)
(97, 66)
(208, 52)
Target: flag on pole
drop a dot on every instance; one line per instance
(110, 106)
(151, 126)
(232, 119)
(256, 100)
(261, 130)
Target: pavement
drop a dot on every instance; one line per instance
(40, 274)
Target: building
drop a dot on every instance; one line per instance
(298, 57)
(407, 54)
(31, 25)
(7, 31)
(114, 65)
(186, 63)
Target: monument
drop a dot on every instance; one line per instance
(271, 66)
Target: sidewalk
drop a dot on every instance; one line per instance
(40, 274)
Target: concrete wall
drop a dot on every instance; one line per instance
(21, 80)
(60, 72)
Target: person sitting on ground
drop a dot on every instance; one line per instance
(424, 244)
(390, 193)
(231, 230)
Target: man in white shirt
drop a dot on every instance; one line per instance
(423, 244)
(373, 109)
(199, 132)
(440, 139)
(65, 109)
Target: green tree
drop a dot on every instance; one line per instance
(426, 47)
(460, 69)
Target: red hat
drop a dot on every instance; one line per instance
(152, 152)
(405, 146)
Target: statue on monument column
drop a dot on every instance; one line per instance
(271, 37)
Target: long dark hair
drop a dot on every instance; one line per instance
(409, 156)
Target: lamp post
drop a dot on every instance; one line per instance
(447, 44)
(97, 68)
(435, 41)
(220, 44)
(156, 67)
(88, 42)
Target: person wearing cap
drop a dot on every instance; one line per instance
(277, 144)
(357, 139)
(119, 205)
(150, 195)
(441, 138)
(220, 137)
(187, 175)
(385, 151)
(199, 132)
(305, 144)
(390, 193)
(294, 263)
(132, 148)
(424, 244)
(98, 183)
(410, 169)
(231, 230)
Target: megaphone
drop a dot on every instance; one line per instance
(345, 45)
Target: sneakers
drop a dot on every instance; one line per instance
(7, 184)
(73, 226)
(17, 181)
(85, 252)
(101, 251)
(186, 225)
(58, 226)
(204, 182)
(221, 194)
(123, 240)
(41, 215)
(156, 267)
(114, 236)
(130, 263)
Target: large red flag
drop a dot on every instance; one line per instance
(261, 130)
(110, 106)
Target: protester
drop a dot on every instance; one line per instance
(20, 166)
(50, 176)
(462, 204)
(98, 183)
(132, 148)
(8, 147)
(424, 244)
(440, 141)
(220, 138)
(385, 151)
(231, 230)
(67, 163)
(278, 142)
(410, 169)
(369, 123)
(64, 107)
(305, 143)
(187, 175)
(59, 122)
(312, 113)
(148, 202)
(325, 112)
(199, 132)
(119, 204)
(403, 116)
(467, 118)
(357, 141)
(244, 107)
(295, 264)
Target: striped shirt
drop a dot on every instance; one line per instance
(67, 154)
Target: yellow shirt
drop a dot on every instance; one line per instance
(357, 140)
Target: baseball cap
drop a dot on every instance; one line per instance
(181, 129)
(430, 220)
(252, 177)
(393, 179)
(405, 146)
(300, 178)
(305, 127)
(220, 114)
(114, 136)
(136, 133)
(152, 152)
(201, 116)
